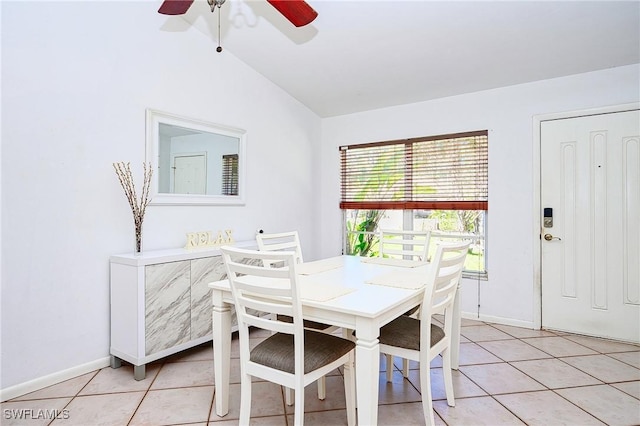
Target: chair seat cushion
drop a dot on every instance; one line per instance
(404, 332)
(320, 349)
(306, 323)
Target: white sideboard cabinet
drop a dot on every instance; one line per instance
(161, 304)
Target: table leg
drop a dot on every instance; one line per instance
(221, 353)
(367, 377)
(455, 331)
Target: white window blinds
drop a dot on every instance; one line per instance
(447, 172)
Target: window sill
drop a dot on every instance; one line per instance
(477, 276)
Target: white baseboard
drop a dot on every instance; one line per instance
(60, 376)
(51, 379)
(499, 320)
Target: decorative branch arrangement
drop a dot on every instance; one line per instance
(138, 207)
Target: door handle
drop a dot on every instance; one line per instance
(550, 237)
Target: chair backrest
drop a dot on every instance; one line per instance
(259, 289)
(442, 284)
(411, 245)
(262, 294)
(283, 241)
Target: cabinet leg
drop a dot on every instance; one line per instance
(115, 362)
(139, 372)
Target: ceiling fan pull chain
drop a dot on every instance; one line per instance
(213, 4)
(219, 48)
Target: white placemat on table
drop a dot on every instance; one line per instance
(393, 262)
(315, 267)
(400, 279)
(308, 288)
(318, 291)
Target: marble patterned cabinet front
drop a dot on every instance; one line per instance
(161, 304)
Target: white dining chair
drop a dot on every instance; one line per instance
(292, 356)
(290, 241)
(408, 245)
(419, 339)
(411, 245)
(281, 241)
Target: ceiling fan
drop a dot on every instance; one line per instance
(298, 12)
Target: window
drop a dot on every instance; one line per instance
(230, 174)
(438, 183)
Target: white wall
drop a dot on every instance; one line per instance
(76, 80)
(508, 295)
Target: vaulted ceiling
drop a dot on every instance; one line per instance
(363, 55)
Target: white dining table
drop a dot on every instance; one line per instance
(356, 293)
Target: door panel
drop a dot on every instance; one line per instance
(190, 174)
(591, 262)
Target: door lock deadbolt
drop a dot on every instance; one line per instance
(547, 218)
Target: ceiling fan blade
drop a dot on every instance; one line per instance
(175, 7)
(296, 11)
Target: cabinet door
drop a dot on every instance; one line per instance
(203, 271)
(167, 304)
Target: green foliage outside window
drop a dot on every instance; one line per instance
(362, 238)
(362, 232)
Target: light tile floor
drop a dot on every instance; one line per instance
(507, 376)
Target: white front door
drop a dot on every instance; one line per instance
(190, 174)
(590, 190)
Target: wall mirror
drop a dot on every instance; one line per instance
(194, 162)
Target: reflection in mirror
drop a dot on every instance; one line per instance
(196, 162)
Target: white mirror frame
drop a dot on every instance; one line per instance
(153, 120)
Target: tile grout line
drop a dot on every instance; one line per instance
(546, 388)
(95, 373)
(146, 392)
